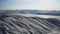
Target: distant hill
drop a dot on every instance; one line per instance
(53, 13)
(43, 12)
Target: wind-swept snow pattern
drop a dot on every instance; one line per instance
(15, 24)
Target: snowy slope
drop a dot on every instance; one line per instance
(14, 24)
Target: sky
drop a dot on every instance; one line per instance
(30, 4)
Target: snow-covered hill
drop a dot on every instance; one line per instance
(15, 24)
